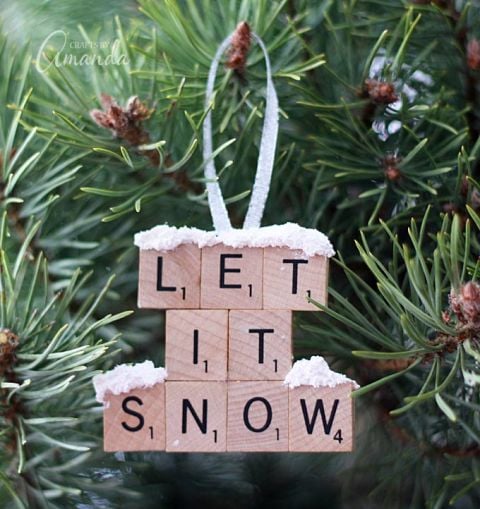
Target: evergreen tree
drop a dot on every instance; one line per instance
(378, 148)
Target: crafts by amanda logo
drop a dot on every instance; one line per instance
(58, 51)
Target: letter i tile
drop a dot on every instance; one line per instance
(196, 344)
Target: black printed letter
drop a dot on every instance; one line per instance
(129, 411)
(246, 418)
(224, 269)
(261, 341)
(201, 423)
(160, 287)
(295, 264)
(195, 346)
(310, 424)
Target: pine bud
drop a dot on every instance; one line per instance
(125, 123)
(380, 92)
(390, 167)
(466, 303)
(8, 344)
(136, 110)
(240, 46)
(392, 173)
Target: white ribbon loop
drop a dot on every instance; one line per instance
(268, 142)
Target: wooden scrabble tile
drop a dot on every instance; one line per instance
(289, 277)
(135, 421)
(196, 344)
(170, 279)
(257, 416)
(231, 278)
(196, 416)
(260, 344)
(321, 419)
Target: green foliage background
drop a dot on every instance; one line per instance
(73, 196)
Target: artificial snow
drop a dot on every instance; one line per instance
(315, 372)
(126, 377)
(289, 235)
(167, 238)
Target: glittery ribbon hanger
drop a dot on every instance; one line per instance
(268, 142)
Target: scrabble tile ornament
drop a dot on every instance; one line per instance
(229, 295)
(230, 384)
